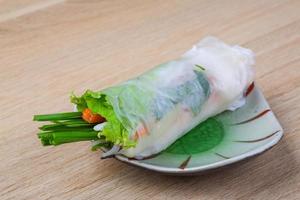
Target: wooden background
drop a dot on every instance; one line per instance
(51, 47)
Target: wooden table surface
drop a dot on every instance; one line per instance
(51, 47)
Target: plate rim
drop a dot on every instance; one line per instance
(276, 138)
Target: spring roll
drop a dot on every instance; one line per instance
(146, 114)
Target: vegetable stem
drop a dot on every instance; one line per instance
(57, 116)
(67, 127)
(61, 137)
(200, 67)
(56, 127)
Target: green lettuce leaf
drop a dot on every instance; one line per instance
(99, 103)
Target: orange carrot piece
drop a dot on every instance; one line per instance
(140, 132)
(90, 117)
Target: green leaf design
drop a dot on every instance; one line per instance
(203, 137)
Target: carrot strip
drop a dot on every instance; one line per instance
(90, 117)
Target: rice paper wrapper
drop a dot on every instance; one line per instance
(163, 104)
(143, 101)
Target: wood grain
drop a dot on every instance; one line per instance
(80, 44)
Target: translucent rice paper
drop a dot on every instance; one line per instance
(166, 102)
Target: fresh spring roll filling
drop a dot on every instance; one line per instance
(147, 114)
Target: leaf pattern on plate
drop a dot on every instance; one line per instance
(203, 137)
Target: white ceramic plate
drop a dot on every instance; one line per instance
(219, 141)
